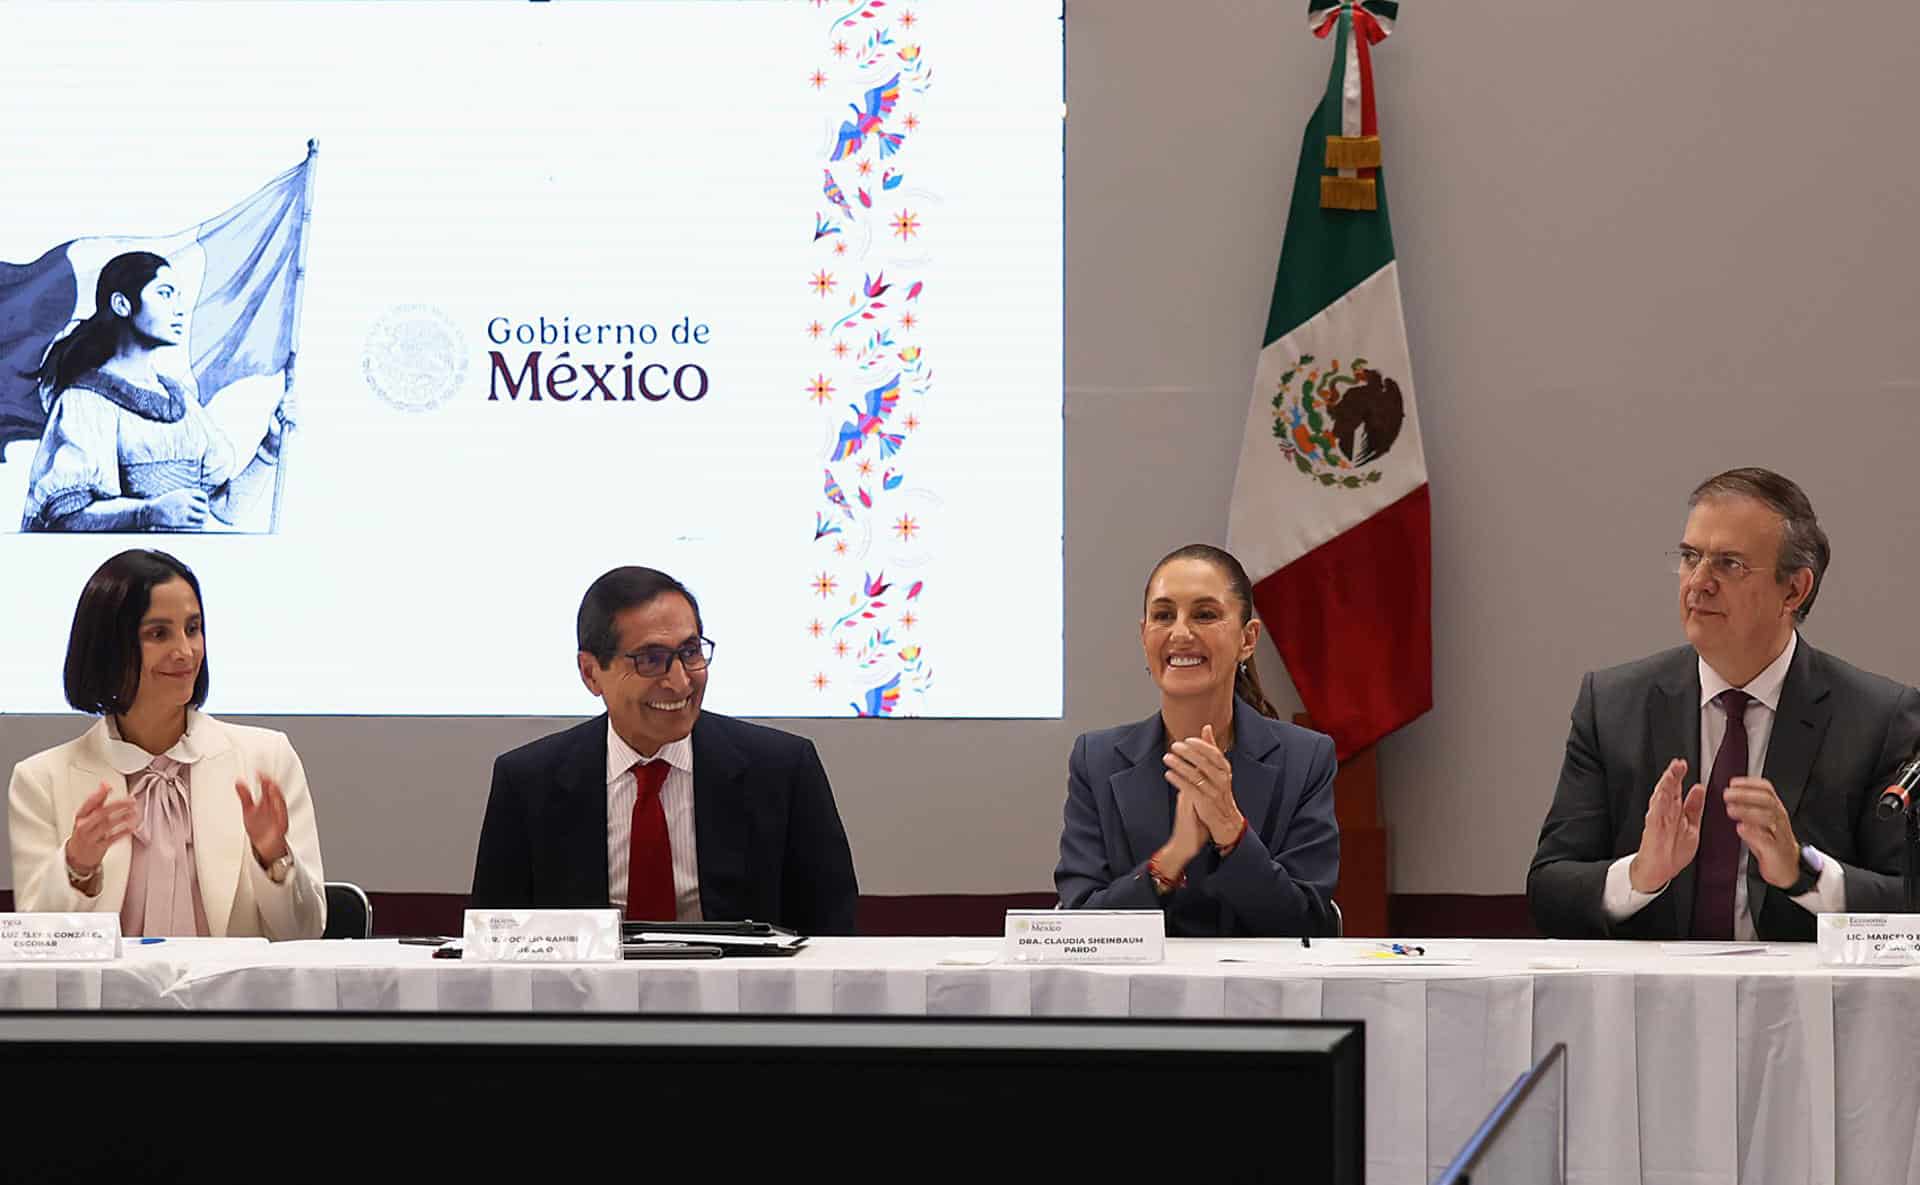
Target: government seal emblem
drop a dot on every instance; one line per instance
(1336, 423)
(415, 358)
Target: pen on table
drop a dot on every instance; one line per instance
(150, 941)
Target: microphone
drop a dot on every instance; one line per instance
(1898, 797)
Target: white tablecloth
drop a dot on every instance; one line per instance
(1683, 1069)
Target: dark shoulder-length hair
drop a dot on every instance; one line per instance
(612, 594)
(97, 338)
(1246, 680)
(103, 651)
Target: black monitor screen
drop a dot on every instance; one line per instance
(189, 1097)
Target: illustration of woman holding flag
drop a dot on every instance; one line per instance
(126, 448)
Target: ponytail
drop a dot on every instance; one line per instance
(91, 343)
(1246, 685)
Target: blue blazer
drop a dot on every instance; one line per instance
(1279, 880)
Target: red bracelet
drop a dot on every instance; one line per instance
(1226, 849)
(1162, 883)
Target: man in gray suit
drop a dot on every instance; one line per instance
(1631, 848)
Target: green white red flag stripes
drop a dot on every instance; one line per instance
(1330, 512)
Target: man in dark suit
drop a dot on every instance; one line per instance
(656, 808)
(1628, 850)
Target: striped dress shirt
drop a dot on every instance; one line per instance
(677, 797)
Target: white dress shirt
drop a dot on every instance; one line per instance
(676, 795)
(1829, 894)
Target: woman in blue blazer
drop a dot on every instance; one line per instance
(1210, 809)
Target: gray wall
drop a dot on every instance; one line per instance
(1640, 243)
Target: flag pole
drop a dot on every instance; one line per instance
(293, 349)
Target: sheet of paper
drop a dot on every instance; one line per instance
(1356, 953)
(1699, 949)
(719, 939)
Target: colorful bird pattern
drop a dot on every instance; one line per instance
(867, 423)
(860, 653)
(835, 195)
(837, 496)
(880, 102)
(881, 701)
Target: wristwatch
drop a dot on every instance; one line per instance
(280, 869)
(1812, 864)
(82, 882)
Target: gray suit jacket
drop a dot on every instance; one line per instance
(1838, 736)
(1278, 881)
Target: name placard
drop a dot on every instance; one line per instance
(59, 937)
(1085, 936)
(542, 936)
(1869, 939)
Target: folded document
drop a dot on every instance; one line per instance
(743, 939)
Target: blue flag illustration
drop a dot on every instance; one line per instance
(243, 266)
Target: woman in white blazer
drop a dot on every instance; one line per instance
(179, 823)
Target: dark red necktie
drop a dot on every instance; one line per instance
(650, 859)
(1716, 866)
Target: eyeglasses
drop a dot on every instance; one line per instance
(1686, 561)
(651, 662)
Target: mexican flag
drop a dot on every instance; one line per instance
(1330, 511)
(243, 266)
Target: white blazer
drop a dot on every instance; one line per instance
(240, 899)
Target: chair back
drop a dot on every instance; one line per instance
(349, 913)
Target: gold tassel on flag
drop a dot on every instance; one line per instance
(1348, 193)
(1353, 152)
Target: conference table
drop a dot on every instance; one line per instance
(1688, 1065)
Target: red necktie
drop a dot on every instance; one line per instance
(1716, 865)
(650, 861)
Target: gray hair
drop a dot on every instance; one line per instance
(1802, 543)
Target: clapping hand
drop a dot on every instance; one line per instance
(1761, 820)
(1671, 834)
(265, 818)
(97, 826)
(1189, 833)
(1198, 769)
